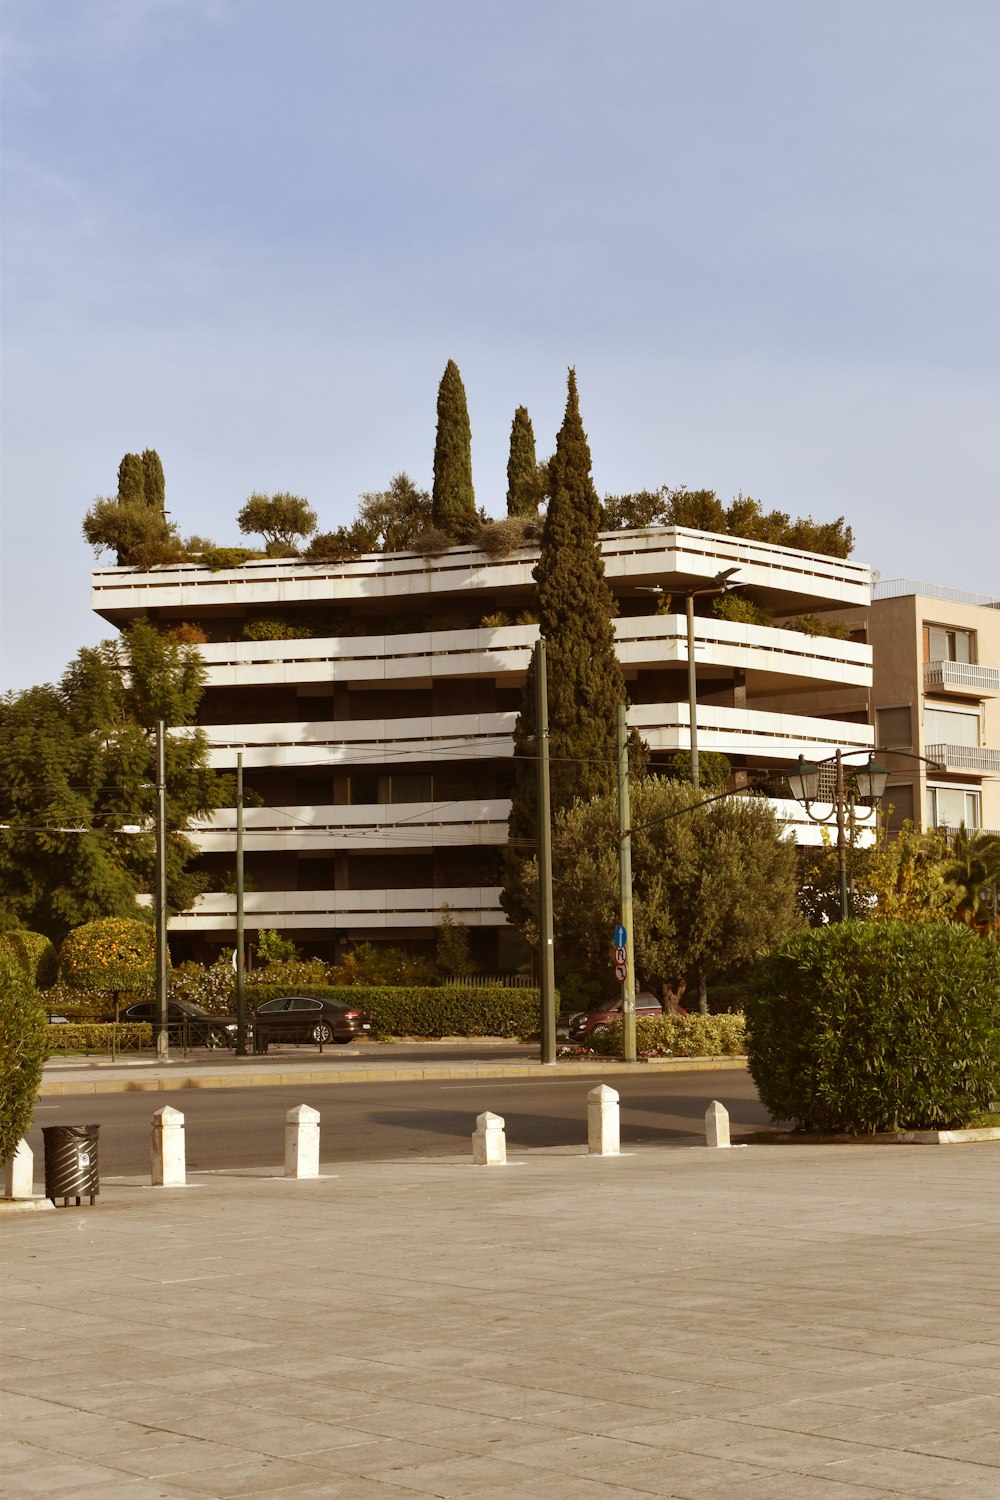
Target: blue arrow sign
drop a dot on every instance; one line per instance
(620, 936)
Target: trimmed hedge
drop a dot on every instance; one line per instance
(95, 1036)
(869, 1026)
(677, 1036)
(33, 954)
(22, 1055)
(426, 1010)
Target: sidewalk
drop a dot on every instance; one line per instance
(366, 1062)
(772, 1323)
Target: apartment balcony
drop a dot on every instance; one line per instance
(351, 913)
(391, 825)
(975, 758)
(966, 678)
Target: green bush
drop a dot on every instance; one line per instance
(33, 954)
(837, 630)
(677, 1036)
(22, 1055)
(115, 956)
(95, 1036)
(270, 628)
(869, 1026)
(220, 558)
(743, 611)
(423, 1010)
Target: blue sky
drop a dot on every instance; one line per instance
(250, 235)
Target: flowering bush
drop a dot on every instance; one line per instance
(678, 1036)
(111, 955)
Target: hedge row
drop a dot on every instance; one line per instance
(95, 1036)
(426, 1010)
(678, 1036)
(22, 1054)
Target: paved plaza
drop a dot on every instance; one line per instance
(817, 1323)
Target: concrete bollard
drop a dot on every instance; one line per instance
(603, 1136)
(716, 1124)
(19, 1173)
(167, 1154)
(489, 1144)
(302, 1142)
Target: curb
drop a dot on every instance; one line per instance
(608, 1067)
(10, 1206)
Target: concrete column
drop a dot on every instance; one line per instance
(167, 1156)
(716, 1124)
(19, 1173)
(489, 1144)
(603, 1138)
(302, 1142)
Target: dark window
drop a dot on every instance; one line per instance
(895, 726)
(301, 1004)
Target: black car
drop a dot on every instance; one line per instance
(188, 1024)
(298, 1018)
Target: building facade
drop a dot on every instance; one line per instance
(376, 736)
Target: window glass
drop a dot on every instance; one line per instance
(947, 806)
(948, 645)
(943, 726)
(300, 1003)
(899, 802)
(895, 726)
(364, 790)
(410, 788)
(270, 1006)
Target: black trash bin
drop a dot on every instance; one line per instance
(71, 1162)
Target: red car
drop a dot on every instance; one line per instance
(587, 1023)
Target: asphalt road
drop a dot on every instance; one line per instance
(390, 1121)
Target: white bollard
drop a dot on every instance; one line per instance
(19, 1173)
(489, 1144)
(716, 1124)
(603, 1136)
(167, 1155)
(302, 1142)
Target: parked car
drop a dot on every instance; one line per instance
(299, 1018)
(187, 1023)
(588, 1023)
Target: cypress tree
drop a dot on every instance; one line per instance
(453, 499)
(154, 486)
(522, 467)
(585, 682)
(131, 481)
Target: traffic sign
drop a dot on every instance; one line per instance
(621, 972)
(621, 955)
(620, 936)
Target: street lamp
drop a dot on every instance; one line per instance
(869, 780)
(720, 586)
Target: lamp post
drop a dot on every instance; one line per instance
(869, 780)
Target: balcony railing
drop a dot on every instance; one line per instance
(966, 676)
(964, 757)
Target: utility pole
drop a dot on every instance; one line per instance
(241, 999)
(625, 880)
(692, 690)
(841, 795)
(547, 976)
(162, 955)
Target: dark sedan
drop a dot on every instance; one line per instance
(299, 1018)
(188, 1024)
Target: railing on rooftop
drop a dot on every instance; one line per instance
(895, 588)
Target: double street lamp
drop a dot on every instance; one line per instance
(867, 782)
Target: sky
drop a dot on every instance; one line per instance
(250, 235)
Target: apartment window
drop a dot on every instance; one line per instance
(371, 790)
(898, 800)
(947, 806)
(943, 644)
(948, 726)
(895, 726)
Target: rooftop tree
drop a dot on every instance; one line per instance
(522, 467)
(453, 499)
(283, 520)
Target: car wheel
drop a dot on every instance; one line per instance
(216, 1039)
(322, 1033)
(599, 1031)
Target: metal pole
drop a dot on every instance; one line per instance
(841, 795)
(241, 998)
(625, 879)
(692, 693)
(548, 969)
(162, 955)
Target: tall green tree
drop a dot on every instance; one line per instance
(77, 763)
(522, 467)
(154, 485)
(131, 480)
(282, 520)
(585, 683)
(453, 499)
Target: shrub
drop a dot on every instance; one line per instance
(868, 1026)
(33, 954)
(113, 955)
(742, 611)
(271, 628)
(22, 1055)
(272, 948)
(187, 634)
(218, 558)
(495, 621)
(425, 1010)
(836, 630)
(432, 542)
(500, 538)
(374, 963)
(678, 1036)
